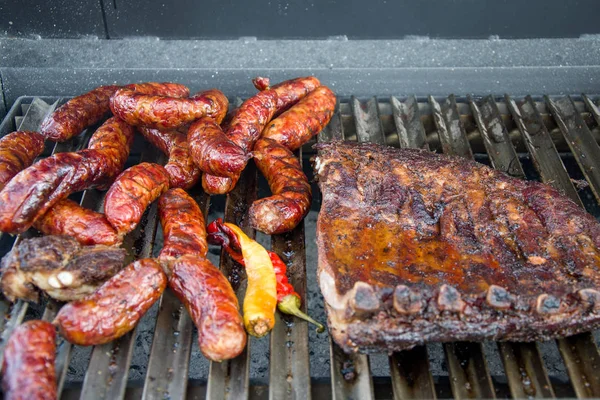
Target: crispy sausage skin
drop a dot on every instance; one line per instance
(167, 89)
(131, 193)
(213, 306)
(218, 184)
(33, 191)
(87, 227)
(28, 370)
(288, 92)
(183, 172)
(213, 152)
(300, 123)
(77, 114)
(184, 230)
(292, 195)
(115, 308)
(161, 112)
(18, 150)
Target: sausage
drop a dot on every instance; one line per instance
(183, 173)
(213, 152)
(161, 112)
(300, 123)
(167, 89)
(28, 370)
(115, 308)
(218, 184)
(33, 191)
(86, 226)
(184, 230)
(77, 114)
(246, 126)
(291, 190)
(213, 306)
(18, 150)
(133, 191)
(288, 92)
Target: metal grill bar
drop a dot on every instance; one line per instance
(466, 362)
(229, 379)
(523, 364)
(168, 365)
(409, 369)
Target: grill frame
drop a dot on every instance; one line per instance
(410, 373)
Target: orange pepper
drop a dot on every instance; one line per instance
(260, 301)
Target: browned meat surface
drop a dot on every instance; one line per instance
(417, 247)
(59, 266)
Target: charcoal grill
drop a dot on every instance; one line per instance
(557, 135)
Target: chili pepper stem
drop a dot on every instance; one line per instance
(290, 304)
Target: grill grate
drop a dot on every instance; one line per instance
(506, 131)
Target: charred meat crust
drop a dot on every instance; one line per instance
(18, 150)
(417, 247)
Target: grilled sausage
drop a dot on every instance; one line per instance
(163, 112)
(291, 197)
(77, 114)
(213, 306)
(33, 191)
(304, 120)
(115, 308)
(133, 191)
(184, 230)
(213, 152)
(17, 152)
(87, 227)
(246, 126)
(28, 371)
(183, 173)
(167, 89)
(288, 92)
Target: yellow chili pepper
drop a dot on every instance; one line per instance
(260, 301)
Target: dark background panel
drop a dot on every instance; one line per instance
(356, 19)
(51, 18)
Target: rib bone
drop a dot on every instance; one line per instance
(407, 301)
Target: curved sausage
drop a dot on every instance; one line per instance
(288, 92)
(183, 172)
(212, 305)
(86, 226)
(306, 119)
(291, 190)
(213, 152)
(248, 122)
(115, 308)
(28, 370)
(18, 150)
(184, 230)
(33, 191)
(131, 193)
(167, 89)
(77, 114)
(163, 112)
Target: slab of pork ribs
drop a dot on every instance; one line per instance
(417, 247)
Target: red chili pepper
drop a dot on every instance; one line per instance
(288, 300)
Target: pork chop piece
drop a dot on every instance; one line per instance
(418, 247)
(58, 266)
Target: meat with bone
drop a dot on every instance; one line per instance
(162, 112)
(416, 247)
(115, 308)
(28, 371)
(273, 156)
(33, 191)
(58, 266)
(246, 126)
(131, 193)
(197, 283)
(183, 173)
(77, 114)
(18, 150)
(86, 226)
